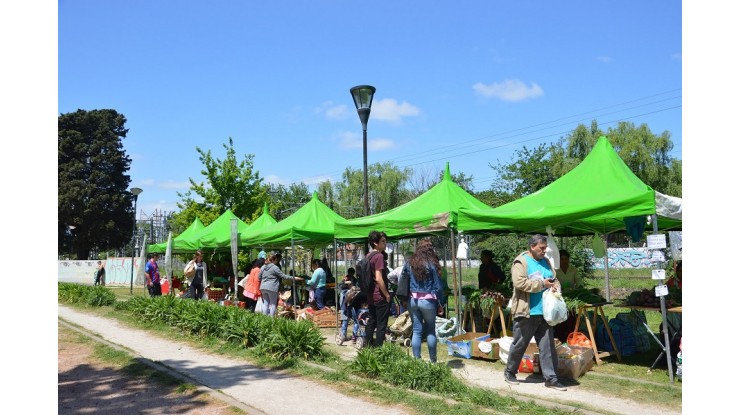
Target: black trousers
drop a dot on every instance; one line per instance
(377, 323)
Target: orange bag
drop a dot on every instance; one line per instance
(578, 339)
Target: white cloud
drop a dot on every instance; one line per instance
(353, 141)
(333, 111)
(310, 181)
(349, 140)
(390, 110)
(380, 144)
(508, 90)
(171, 184)
(605, 59)
(273, 179)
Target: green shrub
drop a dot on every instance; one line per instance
(96, 296)
(277, 337)
(290, 338)
(393, 365)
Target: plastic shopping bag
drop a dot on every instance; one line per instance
(553, 308)
(260, 307)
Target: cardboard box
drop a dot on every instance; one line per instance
(462, 345)
(491, 343)
(505, 345)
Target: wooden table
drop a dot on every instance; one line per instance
(598, 311)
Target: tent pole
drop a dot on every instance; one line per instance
(336, 286)
(666, 340)
(456, 292)
(606, 269)
(293, 267)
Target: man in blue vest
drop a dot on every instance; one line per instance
(531, 275)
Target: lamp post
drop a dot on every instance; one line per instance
(363, 97)
(136, 192)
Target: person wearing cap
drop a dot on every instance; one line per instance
(262, 255)
(271, 277)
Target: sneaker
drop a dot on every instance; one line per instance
(354, 339)
(554, 384)
(510, 379)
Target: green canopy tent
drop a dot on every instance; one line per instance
(217, 235)
(600, 195)
(311, 225)
(264, 221)
(596, 196)
(433, 212)
(184, 243)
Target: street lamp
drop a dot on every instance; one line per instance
(136, 192)
(363, 96)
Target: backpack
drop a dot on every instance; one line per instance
(351, 294)
(365, 277)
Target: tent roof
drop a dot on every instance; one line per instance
(217, 235)
(184, 242)
(312, 223)
(431, 212)
(265, 220)
(595, 196)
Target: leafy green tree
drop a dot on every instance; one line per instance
(229, 184)
(529, 171)
(386, 184)
(284, 200)
(95, 209)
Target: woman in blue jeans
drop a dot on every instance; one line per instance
(425, 288)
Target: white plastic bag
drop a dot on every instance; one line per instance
(553, 308)
(552, 253)
(260, 307)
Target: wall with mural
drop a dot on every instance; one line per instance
(628, 258)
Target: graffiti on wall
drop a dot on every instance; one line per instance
(628, 258)
(117, 270)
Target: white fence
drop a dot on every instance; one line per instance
(117, 270)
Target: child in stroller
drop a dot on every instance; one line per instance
(354, 307)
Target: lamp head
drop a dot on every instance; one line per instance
(363, 97)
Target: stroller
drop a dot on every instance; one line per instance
(353, 299)
(401, 330)
(362, 316)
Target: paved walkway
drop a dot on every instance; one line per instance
(270, 392)
(261, 390)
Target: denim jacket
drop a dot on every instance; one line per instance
(430, 285)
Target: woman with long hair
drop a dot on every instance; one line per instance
(425, 290)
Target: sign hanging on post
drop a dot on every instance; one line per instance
(234, 247)
(656, 241)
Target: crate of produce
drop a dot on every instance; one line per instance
(323, 318)
(214, 294)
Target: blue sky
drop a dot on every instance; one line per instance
(467, 83)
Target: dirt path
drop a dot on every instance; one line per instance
(88, 385)
(263, 391)
(257, 388)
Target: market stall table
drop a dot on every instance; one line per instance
(598, 311)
